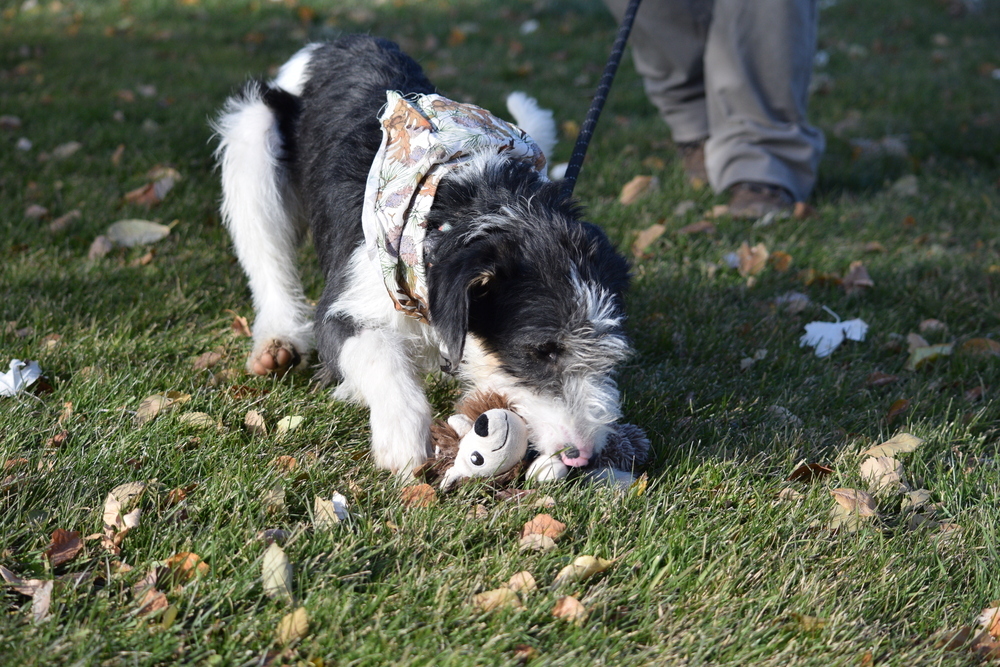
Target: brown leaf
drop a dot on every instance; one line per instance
(152, 601)
(285, 463)
(116, 157)
(915, 341)
(932, 326)
(897, 408)
(569, 608)
(873, 247)
(857, 279)
(185, 566)
(240, 326)
(41, 599)
(646, 238)
(180, 493)
(151, 406)
(700, 227)
(207, 360)
(899, 444)
(752, 260)
(780, 261)
(980, 347)
(636, 188)
(544, 524)
(807, 472)
(855, 501)
(524, 653)
(22, 586)
(66, 544)
(883, 472)
(64, 221)
(880, 379)
(420, 495)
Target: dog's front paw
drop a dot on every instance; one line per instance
(400, 449)
(273, 356)
(548, 469)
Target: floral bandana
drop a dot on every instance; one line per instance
(423, 138)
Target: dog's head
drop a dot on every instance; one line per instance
(528, 301)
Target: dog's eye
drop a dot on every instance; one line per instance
(477, 459)
(548, 352)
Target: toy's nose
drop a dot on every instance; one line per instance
(482, 425)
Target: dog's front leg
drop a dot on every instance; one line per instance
(547, 468)
(377, 369)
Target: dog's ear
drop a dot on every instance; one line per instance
(450, 282)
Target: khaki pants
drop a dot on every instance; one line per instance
(736, 72)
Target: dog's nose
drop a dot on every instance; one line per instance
(571, 452)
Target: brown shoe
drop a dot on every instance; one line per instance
(693, 159)
(755, 200)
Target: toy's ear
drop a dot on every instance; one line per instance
(461, 424)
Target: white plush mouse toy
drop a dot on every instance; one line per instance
(487, 447)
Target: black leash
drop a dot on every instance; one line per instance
(597, 104)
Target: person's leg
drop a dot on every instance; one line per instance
(668, 42)
(758, 62)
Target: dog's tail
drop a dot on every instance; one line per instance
(536, 121)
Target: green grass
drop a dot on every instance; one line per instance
(711, 568)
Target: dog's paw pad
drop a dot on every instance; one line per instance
(276, 358)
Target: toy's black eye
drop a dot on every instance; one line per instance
(548, 352)
(477, 459)
(482, 426)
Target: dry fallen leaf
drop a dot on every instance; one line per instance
(980, 347)
(101, 246)
(537, 542)
(915, 341)
(857, 279)
(581, 568)
(899, 444)
(897, 408)
(185, 566)
(64, 221)
(293, 626)
(254, 422)
(207, 360)
(880, 379)
(288, 424)
(569, 608)
(276, 573)
(806, 472)
(522, 581)
(496, 599)
(65, 546)
(781, 261)
(285, 463)
(700, 227)
(916, 499)
(151, 406)
(883, 473)
(274, 499)
(328, 513)
(130, 233)
(420, 495)
(200, 420)
(240, 326)
(932, 326)
(752, 260)
(645, 238)
(855, 501)
(636, 188)
(544, 524)
(152, 601)
(921, 355)
(41, 600)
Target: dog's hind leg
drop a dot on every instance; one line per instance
(259, 208)
(376, 368)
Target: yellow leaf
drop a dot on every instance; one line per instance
(922, 355)
(537, 542)
(276, 573)
(855, 501)
(752, 260)
(899, 444)
(496, 599)
(522, 581)
(636, 188)
(293, 626)
(581, 568)
(646, 238)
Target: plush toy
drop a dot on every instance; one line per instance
(486, 438)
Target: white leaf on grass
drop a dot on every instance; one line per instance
(276, 573)
(22, 374)
(827, 336)
(129, 233)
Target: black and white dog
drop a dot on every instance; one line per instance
(522, 297)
